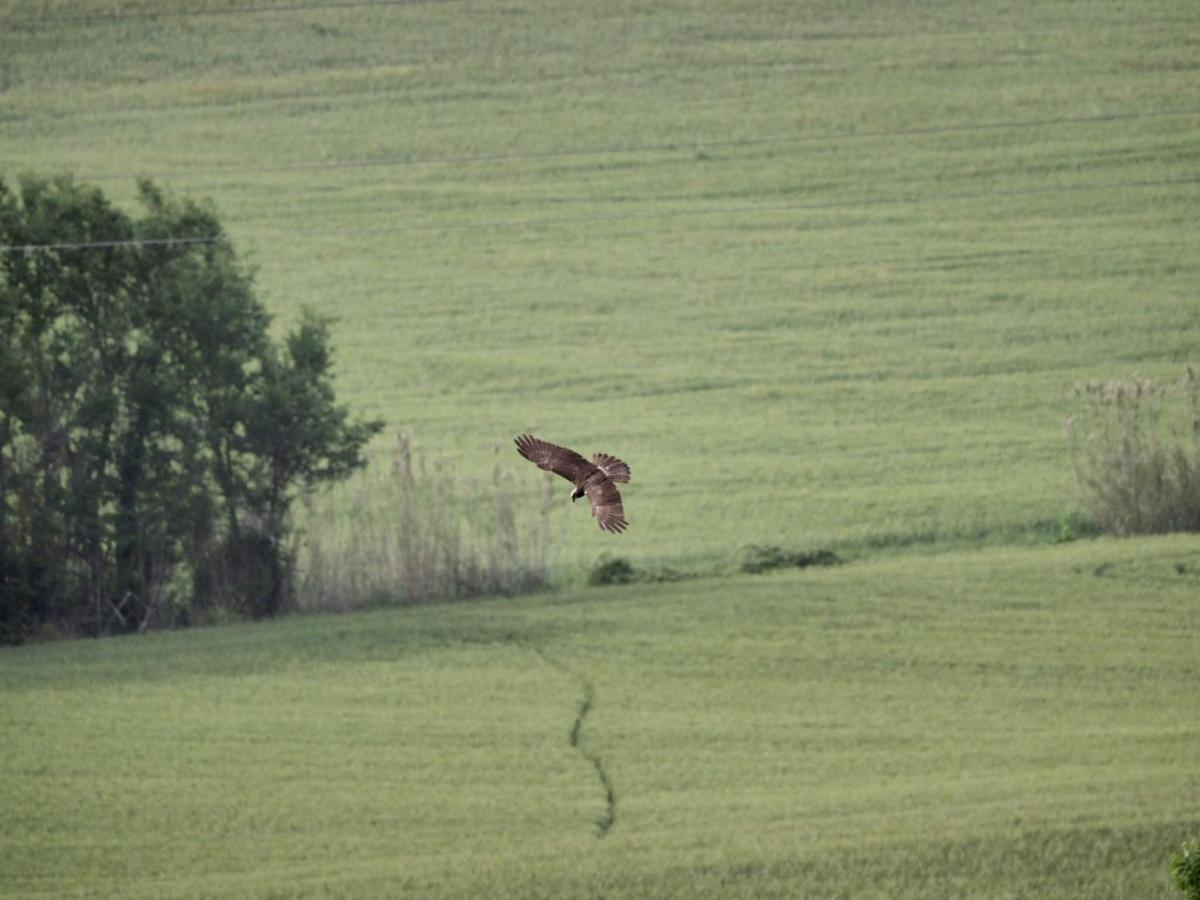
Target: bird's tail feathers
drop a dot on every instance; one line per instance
(615, 469)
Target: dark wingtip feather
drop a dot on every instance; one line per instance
(523, 443)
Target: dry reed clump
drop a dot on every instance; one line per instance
(408, 530)
(1135, 449)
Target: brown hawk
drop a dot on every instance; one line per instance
(595, 479)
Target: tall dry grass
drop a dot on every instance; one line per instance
(407, 529)
(1135, 448)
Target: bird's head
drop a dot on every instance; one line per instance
(576, 494)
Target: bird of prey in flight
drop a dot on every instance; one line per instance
(596, 479)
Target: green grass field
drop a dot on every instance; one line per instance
(824, 274)
(998, 723)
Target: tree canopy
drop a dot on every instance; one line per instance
(152, 434)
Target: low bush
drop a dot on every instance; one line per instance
(1185, 869)
(757, 558)
(611, 570)
(1135, 450)
(1072, 526)
(618, 570)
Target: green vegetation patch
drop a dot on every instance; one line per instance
(823, 276)
(987, 724)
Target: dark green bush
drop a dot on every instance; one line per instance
(611, 570)
(1074, 525)
(1185, 869)
(758, 558)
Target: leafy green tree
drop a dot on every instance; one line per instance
(1185, 869)
(152, 434)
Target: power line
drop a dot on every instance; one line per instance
(663, 147)
(105, 245)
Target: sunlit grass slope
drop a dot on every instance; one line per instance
(999, 723)
(823, 273)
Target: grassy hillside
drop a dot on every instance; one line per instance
(992, 724)
(822, 274)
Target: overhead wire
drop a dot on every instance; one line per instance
(108, 245)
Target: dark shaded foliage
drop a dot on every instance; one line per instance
(618, 570)
(611, 570)
(1185, 869)
(152, 435)
(757, 558)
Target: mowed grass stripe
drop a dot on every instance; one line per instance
(192, 174)
(914, 720)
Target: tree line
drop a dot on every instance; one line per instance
(153, 435)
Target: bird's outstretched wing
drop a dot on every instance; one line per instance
(553, 458)
(614, 468)
(606, 505)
